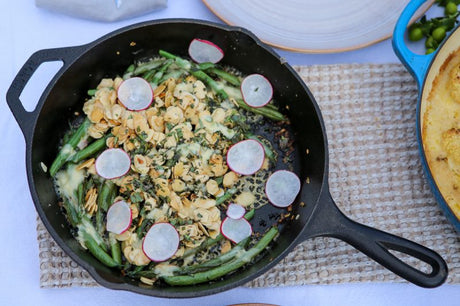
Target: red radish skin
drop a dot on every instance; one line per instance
(202, 51)
(119, 217)
(250, 95)
(123, 96)
(154, 239)
(248, 165)
(285, 194)
(235, 229)
(105, 163)
(235, 211)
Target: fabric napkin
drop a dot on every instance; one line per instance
(102, 10)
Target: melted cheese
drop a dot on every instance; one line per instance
(165, 269)
(189, 148)
(67, 181)
(87, 227)
(213, 127)
(233, 92)
(67, 150)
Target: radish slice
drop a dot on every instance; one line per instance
(246, 157)
(135, 94)
(202, 51)
(119, 217)
(282, 188)
(161, 242)
(236, 229)
(112, 163)
(235, 211)
(256, 90)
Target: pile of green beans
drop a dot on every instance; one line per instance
(111, 256)
(105, 247)
(64, 155)
(69, 152)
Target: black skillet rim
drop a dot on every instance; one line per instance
(125, 286)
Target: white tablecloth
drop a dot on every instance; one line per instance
(25, 29)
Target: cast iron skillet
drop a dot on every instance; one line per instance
(425, 68)
(85, 65)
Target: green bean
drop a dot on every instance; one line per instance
(182, 63)
(212, 68)
(129, 72)
(206, 66)
(80, 194)
(204, 245)
(90, 150)
(86, 226)
(105, 198)
(99, 213)
(157, 77)
(201, 75)
(148, 75)
(236, 263)
(250, 214)
(92, 92)
(99, 222)
(116, 250)
(145, 67)
(67, 150)
(146, 273)
(226, 196)
(264, 111)
(72, 214)
(175, 74)
(138, 272)
(230, 78)
(271, 106)
(87, 185)
(138, 269)
(219, 260)
(80, 133)
(98, 251)
(107, 194)
(130, 68)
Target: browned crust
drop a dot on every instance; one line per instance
(430, 97)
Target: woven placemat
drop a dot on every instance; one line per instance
(375, 177)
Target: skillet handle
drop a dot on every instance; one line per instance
(25, 119)
(417, 64)
(329, 221)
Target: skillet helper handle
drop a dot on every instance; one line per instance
(330, 221)
(417, 64)
(25, 119)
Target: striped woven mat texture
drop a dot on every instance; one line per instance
(376, 178)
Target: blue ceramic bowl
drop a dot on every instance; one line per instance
(424, 69)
